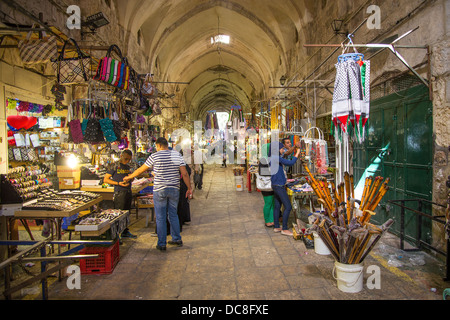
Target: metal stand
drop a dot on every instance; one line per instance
(66, 258)
(419, 242)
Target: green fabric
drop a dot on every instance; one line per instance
(265, 148)
(268, 209)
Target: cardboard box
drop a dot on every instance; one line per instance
(90, 182)
(69, 183)
(92, 227)
(68, 172)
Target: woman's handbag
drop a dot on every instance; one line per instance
(155, 107)
(115, 72)
(263, 183)
(148, 89)
(107, 127)
(72, 70)
(39, 50)
(75, 131)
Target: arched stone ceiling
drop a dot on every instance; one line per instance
(177, 36)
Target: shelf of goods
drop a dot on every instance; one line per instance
(96, 224)
(59, 204)
(23, 184)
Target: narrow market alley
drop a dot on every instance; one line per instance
(229, 254)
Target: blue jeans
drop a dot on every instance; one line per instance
(281, 198)
(166, 204)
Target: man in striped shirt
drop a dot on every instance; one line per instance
(166, 166)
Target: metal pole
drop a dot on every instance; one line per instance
(334, 51)
(402, 225)
(44, 280)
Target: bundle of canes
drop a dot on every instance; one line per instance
(321, 190)
(348, 244)
(345, 229)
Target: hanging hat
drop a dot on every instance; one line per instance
(17, 122)
(31, 122)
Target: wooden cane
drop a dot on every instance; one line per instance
(384, 227)
(372, 192)
(347, 193)
(341, 231)
(366, 216)
(327, 192)
(357, 245)
(328, 237)
(352, 186)
(314, 183)
(341, 191)
(352, 238)
(366, 190)
(364, 245)
(335, 194)
(383, 189)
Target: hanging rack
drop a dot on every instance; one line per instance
(356, 56)
(383, 46)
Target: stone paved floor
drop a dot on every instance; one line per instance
(228, 254)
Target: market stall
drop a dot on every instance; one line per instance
(60, 149)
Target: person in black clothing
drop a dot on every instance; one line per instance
(122, 190)
(184, 211)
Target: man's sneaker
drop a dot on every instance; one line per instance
(161, 248)
(128, 234)
(175, 243)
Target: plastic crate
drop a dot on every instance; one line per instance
(148, 189)
(107, 259)
(67, 221)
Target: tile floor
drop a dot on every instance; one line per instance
(229, 254)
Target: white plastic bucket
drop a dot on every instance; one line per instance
(319, 245)
(349, 276)
(239, 183)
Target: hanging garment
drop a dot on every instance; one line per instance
(351, 97)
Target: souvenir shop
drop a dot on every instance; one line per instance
(321, 185)
(60, 145)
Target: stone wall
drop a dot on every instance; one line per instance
(397, 17)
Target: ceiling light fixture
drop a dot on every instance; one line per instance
(283, 80)
(94, 22)
(221, 38)
(337, 26)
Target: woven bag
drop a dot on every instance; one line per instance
(72, 70)
(39, 50)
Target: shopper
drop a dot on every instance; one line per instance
(166, 165)
(199, 160)
(184, 210)
(281, 197)
(122, 189)
(263, 169)
(224, 155)
(287, 148)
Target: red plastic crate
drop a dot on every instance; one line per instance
(107, 259)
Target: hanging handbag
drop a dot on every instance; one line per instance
(17, 154)
(39, 50)
(107, 127)
(75, 132)
(72, 70)
(148, 89)
(10, 154)
(32, 155)
(263, 183)
(156, 108)
(113, 71)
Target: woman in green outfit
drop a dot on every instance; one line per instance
(268, 208)
(268, 200)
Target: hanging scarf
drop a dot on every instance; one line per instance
(351, 97)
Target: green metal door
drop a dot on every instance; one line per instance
(400, 139)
